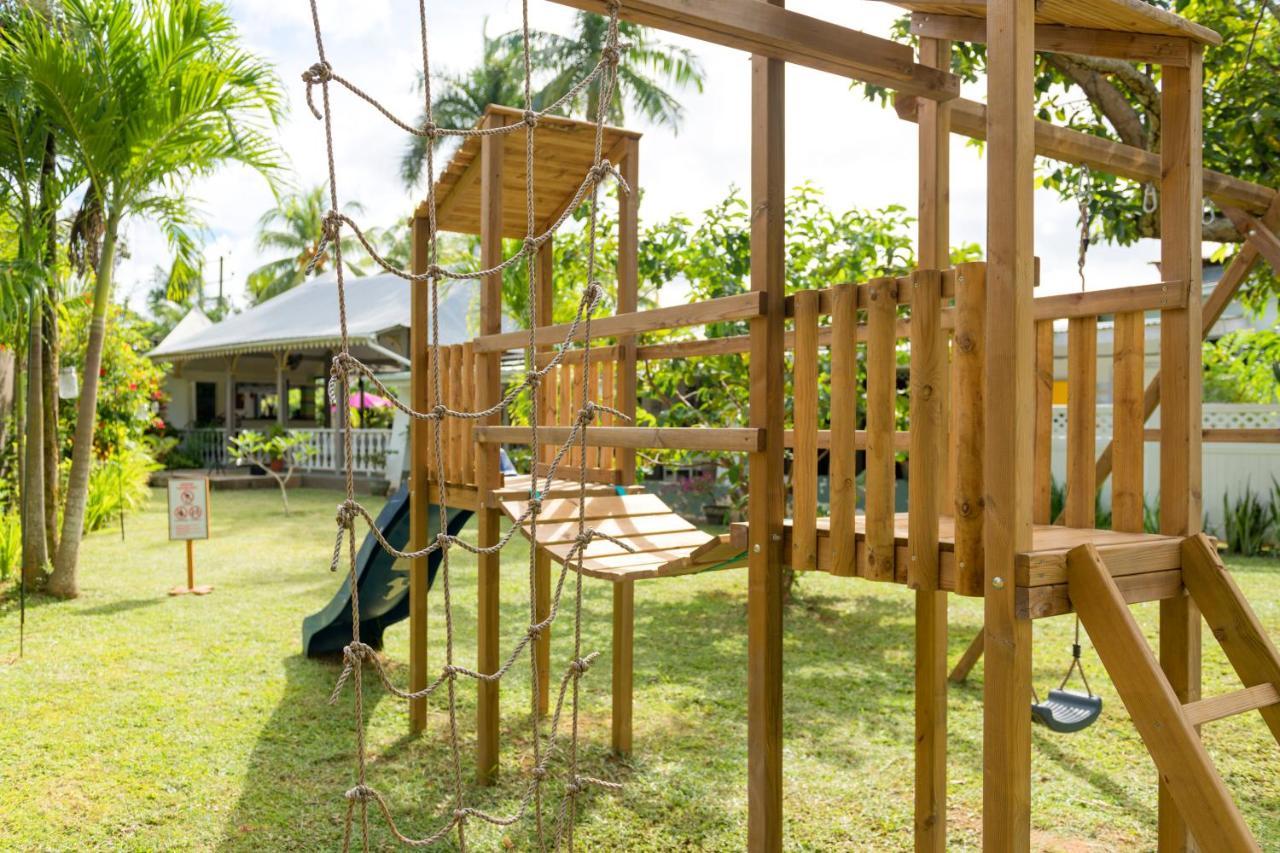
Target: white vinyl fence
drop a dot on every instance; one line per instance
(369, 447)
(1229, 468)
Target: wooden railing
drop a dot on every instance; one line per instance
(868, 321)
(458, 386)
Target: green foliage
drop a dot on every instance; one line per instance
(1241, 118)
(129, 391)
(1247, 522)
(293, 230)
(118, 484)
(648, 71)
(1243, 367)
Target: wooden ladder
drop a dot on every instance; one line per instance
(1166, 725)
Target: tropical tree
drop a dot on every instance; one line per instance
(294, 228)
(149, 95)
(647, 72)
(460, 99)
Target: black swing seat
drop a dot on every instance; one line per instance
(1066, 711)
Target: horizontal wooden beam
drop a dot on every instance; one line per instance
(768, 30)
(742, 306)
(1228, 436)
(725, 440)
(1039, 602)
(1230, 704)
(969, 118)
(1162, 296)
(1259, 236)
(1055, 38)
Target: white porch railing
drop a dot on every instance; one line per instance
(368, 447)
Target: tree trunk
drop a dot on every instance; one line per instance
(8, 372)
(63, 582)
(35, 553)
(52, 452)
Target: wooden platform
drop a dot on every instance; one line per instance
(1121, 16)
(662, 543)
(1146, 566)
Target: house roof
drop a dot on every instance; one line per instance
(563, 155)
(306, 318)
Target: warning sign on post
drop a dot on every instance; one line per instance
(189, 508)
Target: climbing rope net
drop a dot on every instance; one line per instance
(548, 748)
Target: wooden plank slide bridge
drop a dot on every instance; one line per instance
(975, 444)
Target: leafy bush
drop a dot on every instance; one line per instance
(282, 447)
(1247, 522)
(10, 545)
(118, 483)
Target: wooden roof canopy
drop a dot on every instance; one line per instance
(1120, 16)
(563, 154)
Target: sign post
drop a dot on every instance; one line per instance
(188, 521)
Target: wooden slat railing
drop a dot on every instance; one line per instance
(968, 395)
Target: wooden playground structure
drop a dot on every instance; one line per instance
(977, 442)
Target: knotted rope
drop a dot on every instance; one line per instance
(357, 654)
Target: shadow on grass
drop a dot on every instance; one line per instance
(123, 606)
(303, 761)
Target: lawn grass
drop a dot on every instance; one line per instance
(142, 722)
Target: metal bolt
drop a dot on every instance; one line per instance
(775, 537)
(997, 582)
(756, 548)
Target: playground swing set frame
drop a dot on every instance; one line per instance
(981, 377)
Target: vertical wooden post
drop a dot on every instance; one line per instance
(191, 564)
(1180, 378)
(419, 474)
(488, 475)
(1082, 420)
(628, 294)
(624, 610)
(929, 452)
(1127, 419)
(1042, 502)
(542, 560)
(1010, 368)
(229, 389)
(767, 504)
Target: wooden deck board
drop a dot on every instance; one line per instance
(1044, 565)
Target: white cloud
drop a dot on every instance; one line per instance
(857, 152)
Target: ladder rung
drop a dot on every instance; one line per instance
(1230, 704)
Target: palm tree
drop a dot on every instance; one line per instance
(647, 69)
(293, 227)
(149, 95)
(460, 100)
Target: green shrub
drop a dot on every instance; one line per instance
(118, 484)
(10, 545)
(1247, 522)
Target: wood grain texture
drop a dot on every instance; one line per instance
(419, 474)
(1128, 362)
(624, 615)
(804, 461)
(1042, 495)
(1009, 408)
(844, 420)
(1082, 420)
(882, 387)
(767, 504)
(968, 396)
(1186, 772)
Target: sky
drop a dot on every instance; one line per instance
(857, 152)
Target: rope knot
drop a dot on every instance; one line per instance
(535, 631)
(347, 512)
(530, 245)
(574, 787)
(601, 170)
(595, 292)
(587, 413)
(357, 651)
(530, 118)
(539, 772)
(332, 225)
(360, 794)
(430, 129)
(319, 73)
(460, 815)
(443, 540)
(439, 411)
(610, 54)
(584, 538)
(535, 505)
(580, 666)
